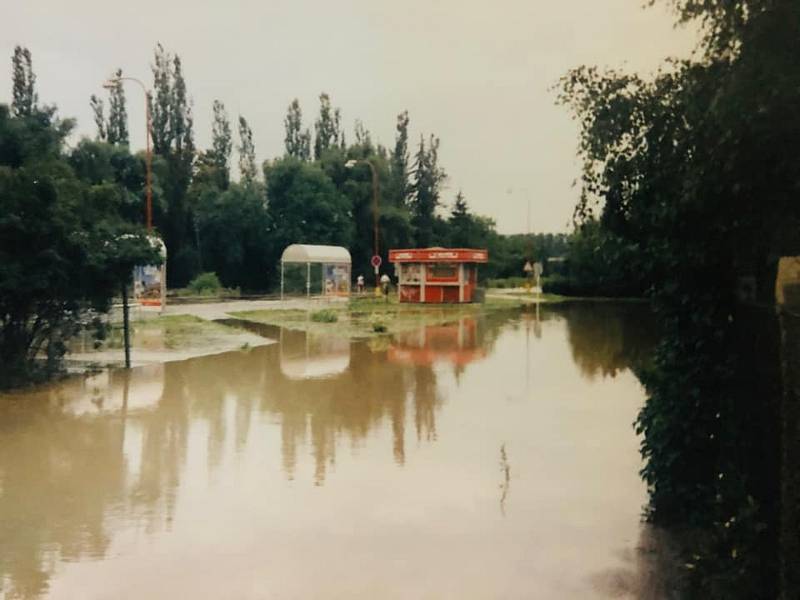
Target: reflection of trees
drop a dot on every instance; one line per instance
(606, 338)
(79, 459)
(58, 476)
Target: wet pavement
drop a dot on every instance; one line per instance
(487, 458)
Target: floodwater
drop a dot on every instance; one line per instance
(489, 458)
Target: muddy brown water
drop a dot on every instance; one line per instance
(488, 458)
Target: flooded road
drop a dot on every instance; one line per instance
(490, 458)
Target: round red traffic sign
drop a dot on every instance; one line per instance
(375, 261)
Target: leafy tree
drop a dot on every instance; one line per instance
(160, 105)
(362, 135)
(695, 171)
(117, 127)
(98, 110)
(428, 180)
(297, 141)
(61, 248)
(221, 144)
(399, 188)
(462, 225)
(173, 139)
(328, 127)
(25, 99)
(235, 235)
(305, 206)
(247, 153)
(102, 164)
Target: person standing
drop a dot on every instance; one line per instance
(385, 281)
(360, 285)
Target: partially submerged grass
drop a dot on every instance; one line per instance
(370, 317)
(173, 332)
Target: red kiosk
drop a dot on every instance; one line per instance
(437, 275)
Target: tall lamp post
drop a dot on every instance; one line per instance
(375, 249)
(114, 83)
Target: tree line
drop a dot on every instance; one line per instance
(238, 227)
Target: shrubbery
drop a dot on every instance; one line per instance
(324, 316)
(205, 284)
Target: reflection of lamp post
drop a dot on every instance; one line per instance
(350, 164)
(111, 84)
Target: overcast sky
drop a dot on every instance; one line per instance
(477, 74)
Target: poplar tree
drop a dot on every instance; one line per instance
(247, 152)
(297, 140)
(362, 135)
(160, 101)
(173, 139)
(98, 110)
(399, 162)
(221, 144)
(328, 127)
(117, 128)
(24, 99)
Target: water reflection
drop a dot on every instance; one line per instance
(91, 468)
(607, 338)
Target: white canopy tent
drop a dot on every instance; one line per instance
(335, 258)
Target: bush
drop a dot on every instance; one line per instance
(205, 284)
(324, 316)
(378, 324)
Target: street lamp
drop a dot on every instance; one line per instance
(114, 83)
(351, 164)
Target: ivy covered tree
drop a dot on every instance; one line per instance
(297, 140)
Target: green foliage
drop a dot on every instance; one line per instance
(63, 247)
(247, 153)
(324, 316)
(233, 233)
(25, 100)
(690, 179)
(221, 145)
(173, 141)
(116, 130)
(297, 140)
(98, 110)
(305, 206)
(507, 282)
(327, 128)
(205, 284)
(426, 186)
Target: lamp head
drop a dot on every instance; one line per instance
(112, 83)
(351, 163)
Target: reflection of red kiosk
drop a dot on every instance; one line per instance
(455, 343)
(437, 275)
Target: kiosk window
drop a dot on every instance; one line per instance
(443, 271)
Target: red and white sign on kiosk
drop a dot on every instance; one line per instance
(437, 275)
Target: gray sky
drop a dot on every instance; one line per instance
(477, 74)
